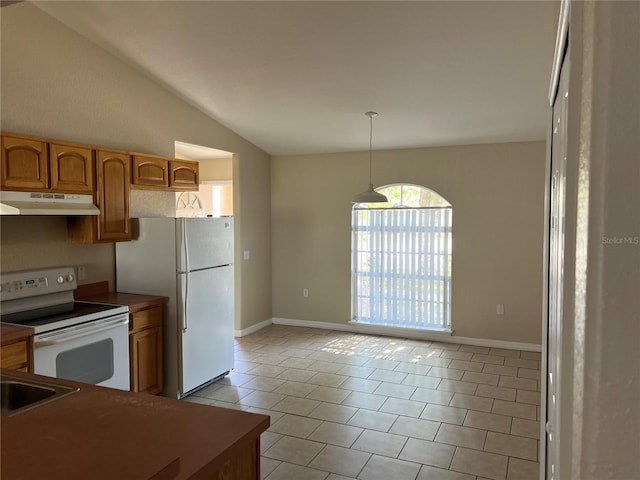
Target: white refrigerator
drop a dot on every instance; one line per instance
(190, 261)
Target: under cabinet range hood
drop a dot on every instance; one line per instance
(45, 203)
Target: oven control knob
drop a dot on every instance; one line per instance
(69, 278)
(60, 279)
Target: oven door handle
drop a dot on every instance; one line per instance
(89, 331)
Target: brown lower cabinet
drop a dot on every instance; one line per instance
(16, 351)
(145, 350)
(15, 356)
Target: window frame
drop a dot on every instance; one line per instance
(443, 203)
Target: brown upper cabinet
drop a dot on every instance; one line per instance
(31, 163)
(149, 171)
(113, 169)
(114, 179)
(71, 167)
(160, 173)
(184, 175)
(25, 163)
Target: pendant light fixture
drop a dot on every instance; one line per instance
(370, 195)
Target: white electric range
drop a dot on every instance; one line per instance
(83, 341)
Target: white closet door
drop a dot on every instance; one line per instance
(556, 243)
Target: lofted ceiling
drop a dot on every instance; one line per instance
(295, 77)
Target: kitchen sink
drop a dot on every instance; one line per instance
(18, 395)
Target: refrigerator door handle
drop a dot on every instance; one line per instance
(182, 302)
(185, 244)
(185, 304)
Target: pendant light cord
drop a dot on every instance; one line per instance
(370, 115)
(370, 195)
(370, 145)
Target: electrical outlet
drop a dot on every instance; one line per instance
(82, 272)
(500, 309)
(305, 292)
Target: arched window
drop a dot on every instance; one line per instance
(401, 259)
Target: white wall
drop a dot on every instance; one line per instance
(600, 358)
(57, 84)
(497, 195)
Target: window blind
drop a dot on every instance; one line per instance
(402, 266)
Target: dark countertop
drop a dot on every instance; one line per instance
(105, 434)
(134, 301)
(99, 292)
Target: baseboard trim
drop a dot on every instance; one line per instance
(252, 328)
(444, 336)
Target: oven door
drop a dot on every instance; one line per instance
(95, 352)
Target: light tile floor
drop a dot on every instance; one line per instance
(347, 406)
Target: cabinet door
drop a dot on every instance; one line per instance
(150, 171)
(24, 163)
(184, 175)
(146, 360)
(71, 168)
(114, 178)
